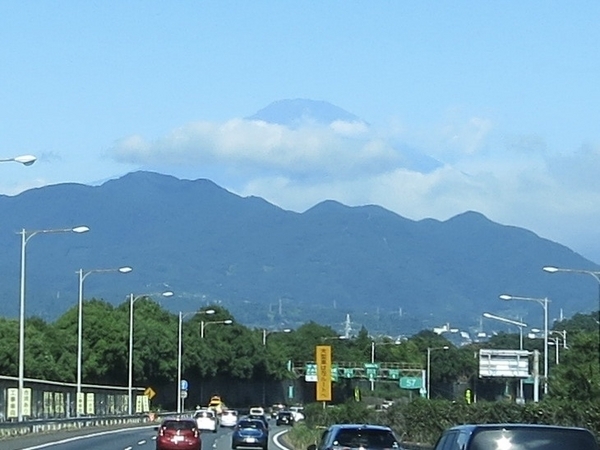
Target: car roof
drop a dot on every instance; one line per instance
(363, 426)
(493, 426)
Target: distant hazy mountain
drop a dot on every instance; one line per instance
(298, 111)
(270, 266)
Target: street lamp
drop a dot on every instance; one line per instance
(544, 302)
(182, 315)
(521, 325)
(556, 341)
(26, 160)
(593, 273)
(25, 236)
(204, 324)
(82, 276)
(429, 350)
(132, 300)
(266, 332)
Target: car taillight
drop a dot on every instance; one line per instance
(161, 432)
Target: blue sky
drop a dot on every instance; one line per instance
(504, 95)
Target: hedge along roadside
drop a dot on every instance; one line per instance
(419, 423)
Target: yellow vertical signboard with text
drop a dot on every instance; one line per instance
(323, 358)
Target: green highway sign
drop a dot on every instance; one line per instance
(347, 373)
(334, 372)
(411, 382)
(310, 372)
(394, 374)
(371, 370)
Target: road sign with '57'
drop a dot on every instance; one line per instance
(411, 382)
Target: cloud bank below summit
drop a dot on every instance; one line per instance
(460, 163)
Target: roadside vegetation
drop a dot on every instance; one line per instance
(238, 352)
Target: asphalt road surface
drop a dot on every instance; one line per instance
(138, 438)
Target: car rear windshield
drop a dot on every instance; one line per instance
(533, 439)
(251, 424)
(365, 438)
(179, 425)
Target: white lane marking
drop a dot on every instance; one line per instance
(86, 436)
(128, 448)
(276, 440)
(142, 442)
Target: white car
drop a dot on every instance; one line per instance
(257, 411)
(297, 413)
(229, 418)
(207, 420)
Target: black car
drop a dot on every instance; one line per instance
(354, 436)
(284, 418)
(250, 433)
(516, 437)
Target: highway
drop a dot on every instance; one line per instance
(138, 438)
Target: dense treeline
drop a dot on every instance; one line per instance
(237, 351)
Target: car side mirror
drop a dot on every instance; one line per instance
(156, 428)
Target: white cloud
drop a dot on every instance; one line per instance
(258, 146)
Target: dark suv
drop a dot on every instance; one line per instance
(351, 436)
(516, 437)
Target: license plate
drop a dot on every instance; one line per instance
(178, 438)
(250, 439)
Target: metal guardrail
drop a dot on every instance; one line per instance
(13, 429)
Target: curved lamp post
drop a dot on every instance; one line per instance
(132, 300)
(266, 333)
(25, 237)
(544, 302)
(429, 350)
(82, 276)
(593, 273)
(26, 160)
(204, 324)
(521, 325)
(182, 315)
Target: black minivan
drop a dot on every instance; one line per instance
(516, 437)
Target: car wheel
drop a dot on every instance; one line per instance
(233, 447)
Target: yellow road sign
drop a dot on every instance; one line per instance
(149, 392)
(323, 356)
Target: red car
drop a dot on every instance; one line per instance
(178, 434)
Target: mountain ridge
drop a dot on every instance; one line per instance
(212, 246)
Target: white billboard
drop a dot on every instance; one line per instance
(504, 363)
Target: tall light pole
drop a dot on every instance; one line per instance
(266, 333)
(132, 300)
(204, 324)
(521, 325)
(373, 345)
(182, 315)
(26, 160)
(429, 350)
(544, 302)
(593, 273)
(82, 276)
(25, 236)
